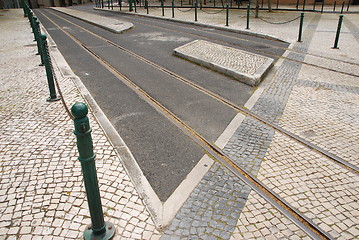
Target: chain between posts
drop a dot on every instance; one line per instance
(57, 83)
(289, 21)
(43, 51)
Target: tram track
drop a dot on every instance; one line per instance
(248, 48)
(304, 223)
(338, 160)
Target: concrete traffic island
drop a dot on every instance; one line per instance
(110, 24)
(244, 66)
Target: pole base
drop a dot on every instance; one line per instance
(109, 234)
(53, 99)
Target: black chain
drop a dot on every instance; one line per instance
(277, 22)
(184, 10)
(56, 82)
(213, 12)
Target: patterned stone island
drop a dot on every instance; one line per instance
(244, 66)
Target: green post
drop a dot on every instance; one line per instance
(173, 9)
(146, 6)
(301, 27)
(248, 12)
(99, 229)
(341, 11)
(227, 14)
(135, 5)
(338, 32)
(321, 11)
(195, 11)
(163, 8)
(24, 7)
(37, 36)
(33, 20)
(335, 3)
(48, 68)
(130, 5)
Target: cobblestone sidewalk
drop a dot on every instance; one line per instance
(41, 190)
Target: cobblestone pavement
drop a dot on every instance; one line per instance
(41, 190)
(244, 66)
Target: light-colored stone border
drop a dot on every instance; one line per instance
(107, 23)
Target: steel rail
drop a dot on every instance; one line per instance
(334, 158)
(256, 50)
(273, 198)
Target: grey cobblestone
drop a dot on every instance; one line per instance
(211, 208)
(41, 180)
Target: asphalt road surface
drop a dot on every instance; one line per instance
(164, 153)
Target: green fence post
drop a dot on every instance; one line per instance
(163, 8)
(338, 32)
(195, 11)
(341, 11)
(321, 11)
(99, 229)
(37, 36)
(227, 14)
(48, 68)
(130, 5)
(248, 12)
(173, 9)
(301, 27)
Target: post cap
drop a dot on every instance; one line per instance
(79, 110)
(43, 37)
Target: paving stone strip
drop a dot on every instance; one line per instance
(244, 66)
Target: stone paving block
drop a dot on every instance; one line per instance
(244, 66)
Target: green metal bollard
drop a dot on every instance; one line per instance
(341, 11)
(146, 6)
(48, 68)
(301, 27)
(335, 3)
(99, 229)
(34, 27)
(321, 11)
(338, 32)
(195, 11)
(130, 5)
(227, 14)
(135, 5)
(41, 44)
(163, 8)
(248, 12)
(38, 41)
(173, 9)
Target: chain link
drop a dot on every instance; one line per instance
(292, 20)
(184, 10)
(213, 12)
(56, 82)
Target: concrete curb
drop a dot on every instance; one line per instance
(126, 26)
(200, 24)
